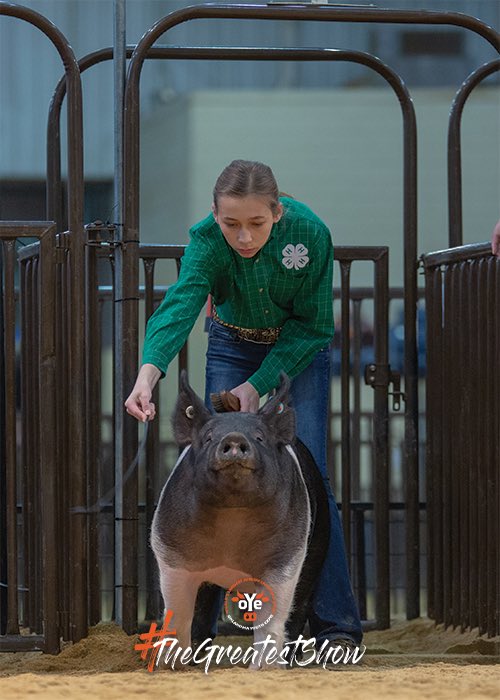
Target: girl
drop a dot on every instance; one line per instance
(267, 261)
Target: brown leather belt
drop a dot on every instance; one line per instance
(254, 335)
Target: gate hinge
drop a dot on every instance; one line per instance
(102, 235)
(383, 376)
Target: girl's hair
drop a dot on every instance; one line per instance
(246, 177)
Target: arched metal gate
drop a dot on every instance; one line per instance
(58, 469)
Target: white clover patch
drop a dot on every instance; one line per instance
(295, 256)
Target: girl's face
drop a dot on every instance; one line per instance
(246, 222)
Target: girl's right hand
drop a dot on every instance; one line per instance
(139, 403)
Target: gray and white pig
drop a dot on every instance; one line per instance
(245, 499)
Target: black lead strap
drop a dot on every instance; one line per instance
(107, 498)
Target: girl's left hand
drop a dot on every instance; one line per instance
(248, 396)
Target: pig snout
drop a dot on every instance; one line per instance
(234, 449)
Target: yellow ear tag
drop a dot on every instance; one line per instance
(280, 408)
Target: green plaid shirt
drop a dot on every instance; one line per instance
(288, 284)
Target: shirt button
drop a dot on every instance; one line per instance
(261, 290)
(266, 311)
(257, 260)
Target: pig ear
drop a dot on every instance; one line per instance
(278, 414)
(190, 413)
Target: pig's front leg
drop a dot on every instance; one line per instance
(283, 594)
(179, 588)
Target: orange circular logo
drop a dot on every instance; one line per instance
(250, 603)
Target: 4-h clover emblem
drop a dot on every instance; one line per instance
(295, 256)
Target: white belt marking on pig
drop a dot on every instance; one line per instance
(291, 451)
(179, 460)
(298, 561)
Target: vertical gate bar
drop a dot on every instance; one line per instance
(36, 471)
(36, 291)
(126, 319)
(448, 379)
(356, 411)
(433, 453)
(473, 477)
(429, 485)
(483, 314)
(438, 464)
(381, 440)
(345, 270)
(456, 445)
(24, 437)
(9, 349)
(411, 457)
(63, 428)
(78, 565)
(3, 495)
(152, 463)
(492, 531)
(30, 429)
(48, 446)
(496, 628)
(76, 345)
(93, 432)
(28, 454)
(359, 527)
(116, 447)
(463, 329)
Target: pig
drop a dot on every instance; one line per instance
(244, 500)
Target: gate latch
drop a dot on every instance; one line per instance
(382, 375)
(102, 235)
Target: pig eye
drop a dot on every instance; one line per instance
(208, 437)
(259, 437)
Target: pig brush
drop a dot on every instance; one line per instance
(224, 402)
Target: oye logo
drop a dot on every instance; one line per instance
(250, 603)
(256, 606)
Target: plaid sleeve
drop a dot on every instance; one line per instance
(310, 327)
(169, 326)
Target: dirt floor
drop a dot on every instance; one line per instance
(411, 660)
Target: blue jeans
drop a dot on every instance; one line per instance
(230, 362)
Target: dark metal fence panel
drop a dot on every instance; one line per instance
(463, 449)
(29, 475)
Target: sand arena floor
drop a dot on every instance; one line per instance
(411, 660)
